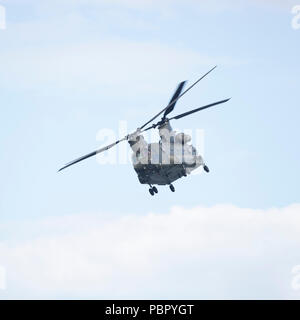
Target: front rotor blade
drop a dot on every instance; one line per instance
(189, 88)
(173, 100)
(91, 154)
(198, 109)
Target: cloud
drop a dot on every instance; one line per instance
(218, 252)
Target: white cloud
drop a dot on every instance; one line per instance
(218, 252)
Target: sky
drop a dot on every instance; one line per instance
(72, 68)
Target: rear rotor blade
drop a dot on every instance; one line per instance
(189, 88)
(91, 154)
(173, 100)
(198, 109)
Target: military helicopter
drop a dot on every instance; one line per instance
(172, 157)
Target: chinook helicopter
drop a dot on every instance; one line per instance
(169, 159)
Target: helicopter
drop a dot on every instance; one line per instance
(168, 160)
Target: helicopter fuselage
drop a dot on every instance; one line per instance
(166, 161)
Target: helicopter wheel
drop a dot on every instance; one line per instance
(155, 189)
(151, 192)
(172, 188)
(206, 168)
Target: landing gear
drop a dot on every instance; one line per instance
(205, 168)
(151, 192)
(172, 188)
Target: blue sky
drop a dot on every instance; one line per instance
(71, 68)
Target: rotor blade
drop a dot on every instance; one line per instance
(91, 154)
(151, 127)
(189, 88)
(173, 100)
(199, 109)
